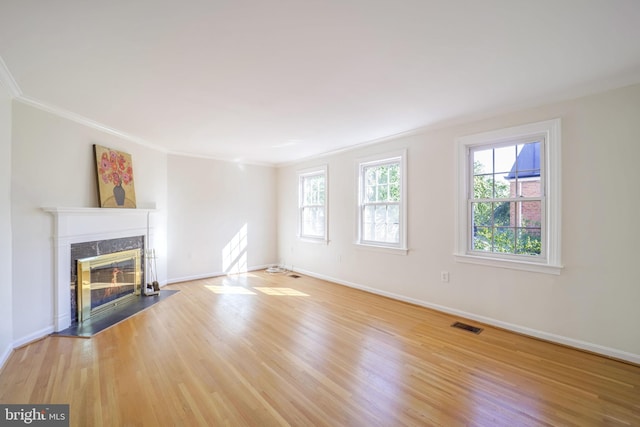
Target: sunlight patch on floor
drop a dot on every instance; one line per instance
(234, 290)
(281, 291)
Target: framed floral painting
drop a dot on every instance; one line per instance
(115, 178)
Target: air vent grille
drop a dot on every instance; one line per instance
(466, 327)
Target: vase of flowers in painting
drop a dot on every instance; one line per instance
(118, 194)
(115, 178)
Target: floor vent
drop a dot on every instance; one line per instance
(466, 327)
(295, 276)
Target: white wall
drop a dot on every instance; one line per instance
(593, 304)
(209, 203)
(6, 311)
(52, 165)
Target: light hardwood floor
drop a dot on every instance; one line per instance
(261, 350)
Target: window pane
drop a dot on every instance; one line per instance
(394, 192)
(482, 214)
(483, 187)
(529, 241)
(482, 238)
(528, 164)
(321, 190)
(387, 220)
(393, 224)
(393, 214)
(306, 188)
(313, 223)
(483, 161)
(394, 173)
(382, 192)
(529, 214)
(502, 213)
(381, 223)
(505, 187)
(383, 174)
(382, 183)
(370, 194)
(313, 188)
(368, 223)
(504, 240)
(505, 157)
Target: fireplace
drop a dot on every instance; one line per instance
(104, 281)
(80, 233)
(105, 273)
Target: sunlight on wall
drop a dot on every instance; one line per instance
(234, 254)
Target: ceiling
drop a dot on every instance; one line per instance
(276, 81)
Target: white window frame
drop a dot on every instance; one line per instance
(302, 175)
(399, 156)
(550, 259)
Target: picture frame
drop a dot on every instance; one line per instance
(114, 173)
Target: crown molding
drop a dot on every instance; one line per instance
(69, 115)
(236, 160)
(7, 80)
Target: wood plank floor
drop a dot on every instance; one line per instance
(262, 350)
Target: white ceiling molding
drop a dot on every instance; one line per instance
(69, 115)
(15, 92)
(238, 161)
(8, 81)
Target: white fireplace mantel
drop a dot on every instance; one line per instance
(78, 225)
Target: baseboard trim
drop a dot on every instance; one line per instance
(33, 337)
(546, 336)
(215, 274)
(42, 333)
(5, 356)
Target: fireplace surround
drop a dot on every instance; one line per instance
(90, 226)
(105, 273)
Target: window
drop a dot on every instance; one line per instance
(312, 220)
(382, 201)
(509, 198)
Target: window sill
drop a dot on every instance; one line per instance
(318, 240)
(511, 264)
(383, 249)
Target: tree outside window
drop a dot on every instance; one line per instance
(506, 205)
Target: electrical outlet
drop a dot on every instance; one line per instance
(444, 276)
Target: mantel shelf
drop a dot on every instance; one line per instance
(101, 211)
